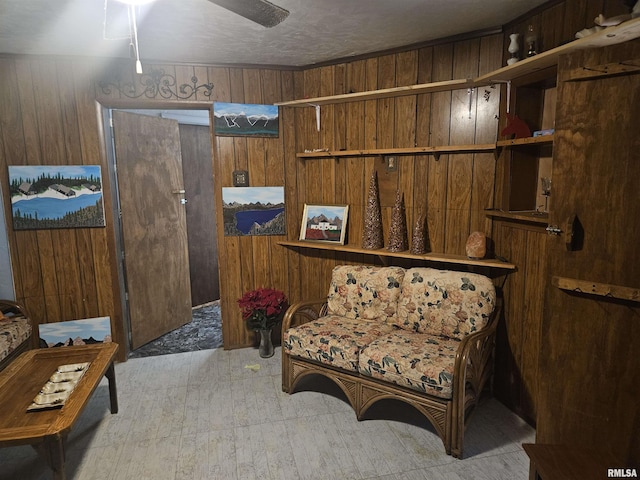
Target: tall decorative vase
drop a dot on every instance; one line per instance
(398, 239)
(372, 237)
(420, 240)
(513, 48)
(266, 345)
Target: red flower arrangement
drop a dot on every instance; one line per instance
(261, 308)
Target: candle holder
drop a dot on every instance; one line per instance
(545, 185)
(531, 42)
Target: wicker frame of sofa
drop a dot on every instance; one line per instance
(473, 368)
(29, 343)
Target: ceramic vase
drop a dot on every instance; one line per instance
(514, 48)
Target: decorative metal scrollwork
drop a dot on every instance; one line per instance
(157, 83)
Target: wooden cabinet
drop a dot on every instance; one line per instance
(526, 161)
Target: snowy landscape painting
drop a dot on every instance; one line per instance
(56, 197)
(245, 119)
(253, 211)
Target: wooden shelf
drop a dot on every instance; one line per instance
(428, 257)
(609, 36)
(531, 217)
(444, 86)
(526, 141)
(438, 150)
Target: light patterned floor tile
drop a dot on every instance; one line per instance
(205, 416)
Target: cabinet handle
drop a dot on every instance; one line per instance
(553, 230)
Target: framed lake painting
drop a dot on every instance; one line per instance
(253, 211)
(324, 223)
(245, 119)
(56, 196)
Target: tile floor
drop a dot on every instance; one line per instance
(207, 415)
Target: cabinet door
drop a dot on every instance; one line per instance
(589, 368)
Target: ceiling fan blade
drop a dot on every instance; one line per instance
(260, 11)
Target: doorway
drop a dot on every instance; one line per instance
(164, 199)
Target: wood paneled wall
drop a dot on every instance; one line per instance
(50, 114)
(453, 190)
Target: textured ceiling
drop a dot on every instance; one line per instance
(198, 31)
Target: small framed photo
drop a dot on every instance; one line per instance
(324, 223)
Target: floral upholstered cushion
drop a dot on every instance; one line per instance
(418, 361)
(369, 293)
(447, 303)
(13, 331)
(333, 339)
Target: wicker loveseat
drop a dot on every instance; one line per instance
(421, 335)
(15, 331)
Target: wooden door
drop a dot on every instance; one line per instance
(589, 373)
(149, 171)
(195, 142)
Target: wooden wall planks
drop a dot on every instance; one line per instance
(56, 119)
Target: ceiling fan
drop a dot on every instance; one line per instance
(260, 11)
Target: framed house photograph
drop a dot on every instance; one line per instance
(324, 223)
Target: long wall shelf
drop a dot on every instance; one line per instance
(609, 36)
(437, 150)
(382, 252)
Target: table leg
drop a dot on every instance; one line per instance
(52, 451)
(113, 391)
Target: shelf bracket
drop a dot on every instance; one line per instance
(317, 107)
(470, 94)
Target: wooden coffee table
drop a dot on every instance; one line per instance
(47, 430)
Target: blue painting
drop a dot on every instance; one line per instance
(75, 332)
(56, 197)
(253, 211)
(245, 119)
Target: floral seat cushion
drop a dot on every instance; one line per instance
(418, 361)
(333, 339)
(445, 303)
(364, 292)
(13, 331)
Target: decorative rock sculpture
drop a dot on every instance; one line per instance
(398, 240)
(372, 236)
(476, 245)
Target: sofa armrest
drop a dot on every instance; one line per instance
(7, 306)
(474, 361)
(303, 312)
